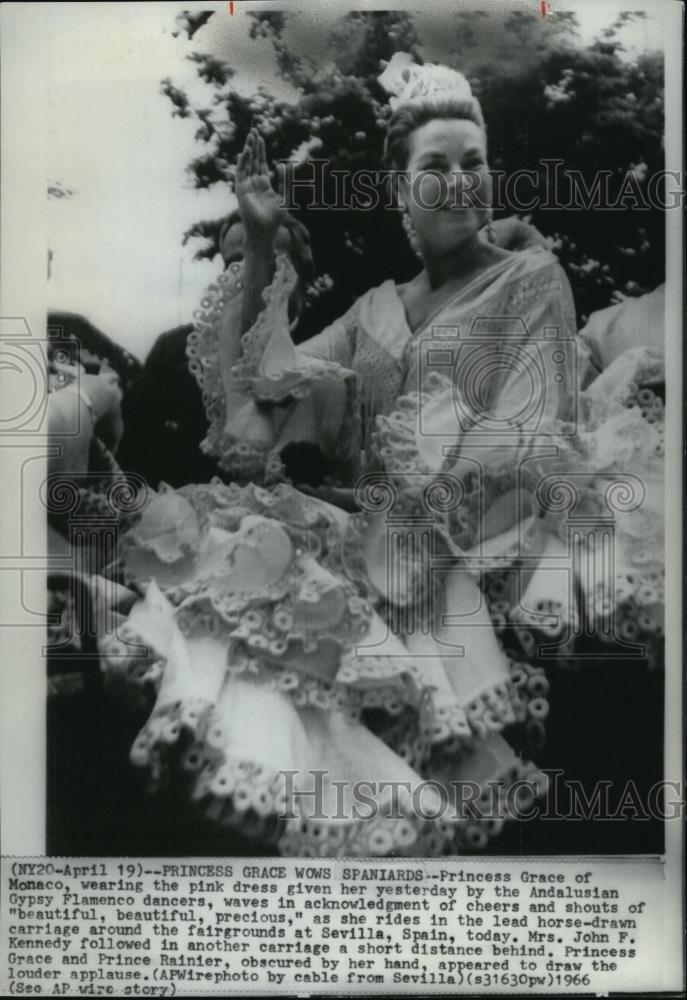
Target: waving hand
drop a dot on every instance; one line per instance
(259, 204)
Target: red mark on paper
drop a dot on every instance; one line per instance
(544, 7)
(231, 6)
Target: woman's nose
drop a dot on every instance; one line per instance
(464, 188)
(456, 187)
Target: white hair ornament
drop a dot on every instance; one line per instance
(409, 83)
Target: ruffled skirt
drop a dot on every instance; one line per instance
(332, 685)
(283, 702)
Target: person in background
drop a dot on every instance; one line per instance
(78, 342)
(83, 410)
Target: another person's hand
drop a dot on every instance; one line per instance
(105, 393)
(82, 405)
(262, 212)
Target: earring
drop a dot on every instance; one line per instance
(407, 224)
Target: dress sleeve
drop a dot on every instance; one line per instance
(260, 391)
(212, 349)
(337, 341)
(512, 390)
(528, 374)
(530, 407)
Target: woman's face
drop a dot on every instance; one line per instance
(447, 187)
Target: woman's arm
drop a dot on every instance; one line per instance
(242, 353)
(262, 213)
(215, 348)
(337, 342)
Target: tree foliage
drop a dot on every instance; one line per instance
(545, 97)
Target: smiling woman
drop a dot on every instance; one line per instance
(379, 617)
(337, 656)
(445, 195)
(439, 148)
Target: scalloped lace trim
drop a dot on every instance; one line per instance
(475, 835)
(632, 613)
(241, 793)
(203, 354)
(293, 380)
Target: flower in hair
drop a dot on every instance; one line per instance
(409, 83)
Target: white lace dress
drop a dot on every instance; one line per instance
(297, 658)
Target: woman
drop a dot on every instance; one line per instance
(288, 636)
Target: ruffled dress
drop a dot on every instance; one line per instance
(370, 683)
(589, 584)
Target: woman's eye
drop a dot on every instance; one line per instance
(437, 165)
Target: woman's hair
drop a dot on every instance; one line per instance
(409, 117)
(300, 243)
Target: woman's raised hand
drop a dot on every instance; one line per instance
(260, 206)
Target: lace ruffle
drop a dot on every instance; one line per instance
(460, 726)
(496, 807)
(269, 371)
(202, 352)
(282, 625)
(454, 729)
(185, 743)
(266, 628)
(294, 374)
(623, 494)
(512, 468)
(360, 683)
(348, 694)
(629, 611)
(507, 785)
